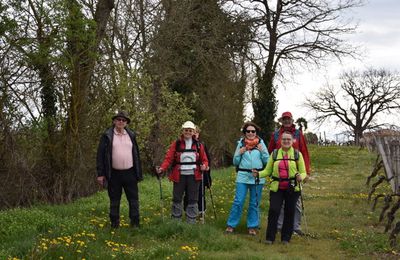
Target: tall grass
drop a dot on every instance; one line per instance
(337, 215)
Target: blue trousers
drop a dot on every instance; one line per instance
(237, 206)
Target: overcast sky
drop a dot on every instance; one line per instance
(378, 34)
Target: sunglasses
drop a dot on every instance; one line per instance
(251, 131)
(286, 139)
(121, 119)
(188, 130)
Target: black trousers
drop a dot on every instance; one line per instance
(276, 200)
(202, 192)
(190, 187)
(123, 179)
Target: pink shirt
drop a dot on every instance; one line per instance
(284, 173)
(122, 151)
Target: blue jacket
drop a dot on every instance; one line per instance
(253, 159)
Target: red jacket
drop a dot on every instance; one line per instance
(299, 143)
(173, 156)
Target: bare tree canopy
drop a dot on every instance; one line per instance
(361, 97)
(301, 30)
(293, 33)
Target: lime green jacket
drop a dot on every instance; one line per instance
(272, 168)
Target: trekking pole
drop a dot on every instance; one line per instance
(202, 198)
(212, 202)
(161, 195)
(257, 182)
(303, 212)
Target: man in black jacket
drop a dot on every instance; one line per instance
(118, 167)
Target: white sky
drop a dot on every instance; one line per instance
(378, 33)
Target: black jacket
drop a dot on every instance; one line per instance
(104, 154)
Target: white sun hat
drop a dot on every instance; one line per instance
(188, 124)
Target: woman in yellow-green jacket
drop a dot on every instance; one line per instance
(287, 170)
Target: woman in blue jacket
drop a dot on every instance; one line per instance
(250, 154)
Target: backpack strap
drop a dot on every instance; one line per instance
(179, 150)
(282, 179)
(274, 154)
(242, 144)
(296, 156)
(297, 134)
(276, 136)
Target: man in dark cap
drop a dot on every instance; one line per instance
(118, 167)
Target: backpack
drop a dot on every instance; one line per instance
(179, 150)
(296, 159)
(296, 135)
(296, 155)
(242, 144)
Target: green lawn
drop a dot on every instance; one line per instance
(337, 215)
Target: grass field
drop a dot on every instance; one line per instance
(337, 215)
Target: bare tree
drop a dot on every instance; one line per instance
(362, 96)
(293, 32)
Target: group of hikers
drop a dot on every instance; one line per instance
(286, 162)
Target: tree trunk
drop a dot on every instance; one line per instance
(155, 145)
(83, 43)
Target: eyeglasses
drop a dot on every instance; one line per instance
(250, 131)
(121, 119)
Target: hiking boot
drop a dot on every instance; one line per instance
(135, 225)
(252, 232)
(229, 230)
(285, 243)
(299, 232)
(115, 224)
(268, 242)
(135, 222)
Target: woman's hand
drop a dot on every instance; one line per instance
(260, 147)
(159, 170)
(255, 173)
(298, 178)
(242, 150)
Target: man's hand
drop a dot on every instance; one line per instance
(101, 180)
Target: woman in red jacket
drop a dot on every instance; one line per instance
(188, 159)
(300, 144)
